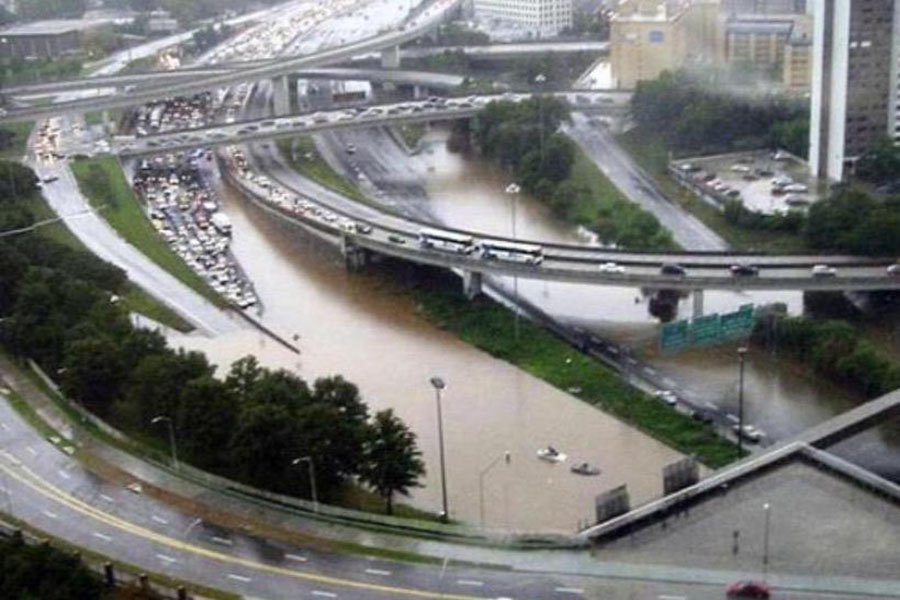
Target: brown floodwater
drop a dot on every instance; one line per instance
(367, 330)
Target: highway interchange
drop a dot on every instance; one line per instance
(42, 484)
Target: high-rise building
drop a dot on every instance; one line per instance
(854, 81)
(544, 17)
(646, 38)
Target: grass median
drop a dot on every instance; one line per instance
(303, 157)
(490, 326)
(104, 184)
(134, 297)
(16, 136)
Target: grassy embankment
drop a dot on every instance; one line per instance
(19, 140)
(135, 298)
(651, 154)
(123, 212)
(489, 326)
(412, 134)
(301, 154)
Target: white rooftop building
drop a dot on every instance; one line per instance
(543, 17)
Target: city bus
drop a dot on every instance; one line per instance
(531, 254)
(446, 240)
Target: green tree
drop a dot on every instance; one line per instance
(207, 417)
(393, 463)
(93, 373)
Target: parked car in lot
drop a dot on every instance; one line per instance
(749, 432)
(611, 267)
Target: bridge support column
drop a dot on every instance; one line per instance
(293, 93)
(472, 281)
(281, 96)
(419, 92)
(390, 58)
(355, 258)
(698, 303)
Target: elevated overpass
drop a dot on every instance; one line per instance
(372, 116)
(389, 42)
(174, 76)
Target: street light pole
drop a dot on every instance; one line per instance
(742, 351)
(767, 510)
(507, 456)
(513, 191)
(312, 479)
(168, 421)
(540, 79)
(439, 385)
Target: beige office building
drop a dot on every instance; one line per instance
(647, 37)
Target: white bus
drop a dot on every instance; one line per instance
(446, 240)
(512, 251)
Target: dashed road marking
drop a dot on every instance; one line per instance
(667, 597)
(31, 450)
(378, 572)
(107, 498)
(732, 418)
(295, 558)
(64, 475)
(650, 371)
(668, 382)
(102, 536)
(322, 594)
(4, 426)
(569, 590)
(470, 582)
(159, 520)
(166, 558)
(242, 578)
(222, 541)
(50, 514)
(711, 405)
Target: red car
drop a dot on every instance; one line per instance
(749, 589)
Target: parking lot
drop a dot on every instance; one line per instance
(766, 182)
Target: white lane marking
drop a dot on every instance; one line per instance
(12, 458)
(166, 558)
(731, 418)
(4, 426)
(223, 541)
(632, 361)
(50, 514)
(31, 450)
(159, 520)
(649, 370)
(470, 582)
(667, 597)
(294, 558)
(711, 405)
(63, 474)
(107, 498)
(102, 536)
(323, 594)
(668, 382)
(569, 590)
(239, 578)
(378, 572)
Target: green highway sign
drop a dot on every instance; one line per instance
(709, 329)
(705, 330)
(675, 336)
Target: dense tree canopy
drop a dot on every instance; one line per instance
(852, 221)
(57, 306)
(693, 118)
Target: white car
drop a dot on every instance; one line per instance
(749, 432)
(611, 267)
(823, 271)
(667, 396)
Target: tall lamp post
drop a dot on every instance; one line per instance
(438, 384)
(312, 479)
(168, 421)
(505, 456)
(513, 190)
(540, 80)
(742, 351)
(766, 509)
